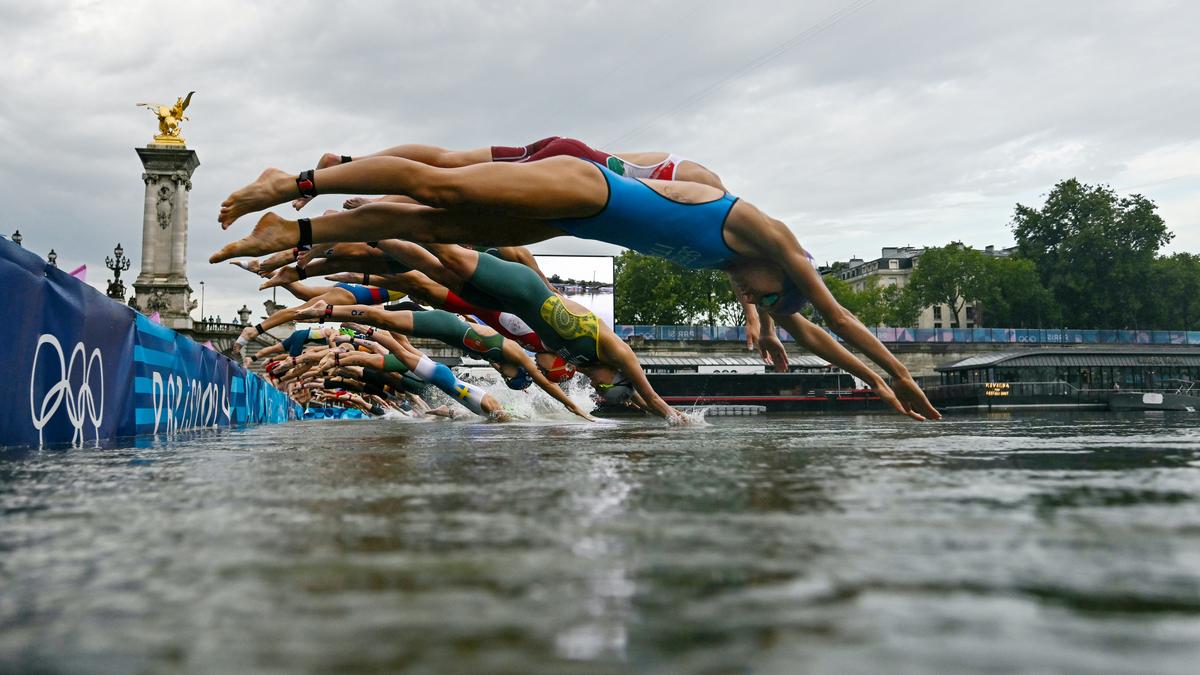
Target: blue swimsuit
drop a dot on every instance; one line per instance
(637, 217)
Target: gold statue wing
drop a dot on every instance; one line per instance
(187, 101)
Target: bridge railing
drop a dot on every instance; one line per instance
(1011, 336)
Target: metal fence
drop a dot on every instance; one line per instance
(1013, 336)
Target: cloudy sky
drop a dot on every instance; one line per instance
(861, 124)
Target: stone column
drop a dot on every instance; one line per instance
(163, 285)
(147, 223)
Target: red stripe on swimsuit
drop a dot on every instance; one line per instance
(491, 317)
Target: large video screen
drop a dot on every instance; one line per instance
(586, 279)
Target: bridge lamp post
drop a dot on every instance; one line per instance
(52, 258)
(244, 314)
(202, 301)
(17, 238)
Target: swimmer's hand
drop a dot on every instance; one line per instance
(884, 392)
(579, 411)
(678, 419)
(913, 399)
(753, 334)
(773, 353)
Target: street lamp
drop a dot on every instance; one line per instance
(244, 314)
(116, 289)
(201, 301)
(17, 238)
(52, 258)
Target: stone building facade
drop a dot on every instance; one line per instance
(894, 267)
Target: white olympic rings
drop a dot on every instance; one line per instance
(81, 404)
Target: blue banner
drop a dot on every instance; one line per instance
(84, 369)
(65, 372)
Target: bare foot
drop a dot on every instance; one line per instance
(271, 234)
(327, 160)
(271, 188)
(313, 311)
(355, 202)
(250, 266)
(345, 278)
(273, 262)
(282, 277)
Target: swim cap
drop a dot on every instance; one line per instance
(560, 370)
(521, 380)
(789, 300)
(617, 393)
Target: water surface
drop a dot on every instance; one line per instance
(1038, 543)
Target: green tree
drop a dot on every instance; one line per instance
(950, 275)
(651, 290)
(1094, 251)
(875, 305)
(1174, 303)
(1013, 295)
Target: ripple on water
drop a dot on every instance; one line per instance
(1050, 542)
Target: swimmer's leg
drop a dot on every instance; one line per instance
(374, 222)
(443, 378)
(558, 187)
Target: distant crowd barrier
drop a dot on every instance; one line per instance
(81, 368)
(1009, 336)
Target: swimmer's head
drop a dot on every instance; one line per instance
(520, 380)
(763, 283)
(616, 391)
(554, 367)
(788, 300)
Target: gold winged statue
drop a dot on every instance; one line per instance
(169, 119)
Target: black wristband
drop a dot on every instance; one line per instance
(346, 159)
(305, 226)
(373, 244)
(258, 327)
(306, 184)
(366, 278)
(300, 272)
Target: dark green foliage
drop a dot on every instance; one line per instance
(651, 290)
(1094, 251)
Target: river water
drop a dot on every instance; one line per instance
(842, 544)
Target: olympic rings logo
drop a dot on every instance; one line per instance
(81, 404)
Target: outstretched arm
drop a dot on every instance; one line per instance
(818, 342)
(846, 325)
(514, 351)
(618, 355)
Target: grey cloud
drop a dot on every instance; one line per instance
(915, 122)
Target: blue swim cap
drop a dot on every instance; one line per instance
(521, 380)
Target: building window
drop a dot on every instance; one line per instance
(893, 264)
(937, 314)
(970, 312)
(937, 324)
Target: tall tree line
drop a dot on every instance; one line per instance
(1087, 258)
